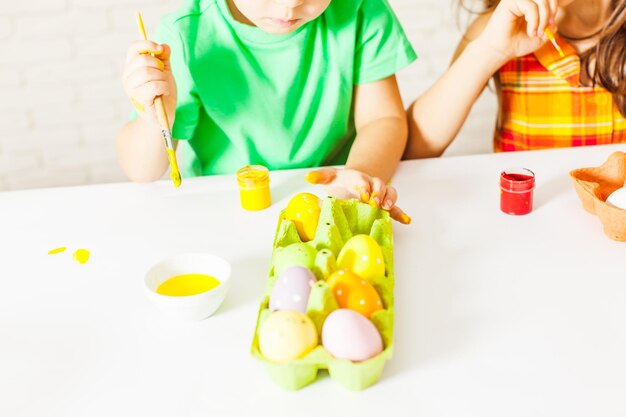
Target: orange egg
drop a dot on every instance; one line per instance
(355, 293)
(304, 211)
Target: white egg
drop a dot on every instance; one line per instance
(347, 334)
(618, 198)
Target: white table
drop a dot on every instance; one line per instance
(478, 331)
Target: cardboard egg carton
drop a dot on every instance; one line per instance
(594, 185)
(339, 221)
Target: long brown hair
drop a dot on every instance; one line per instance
(605, 63)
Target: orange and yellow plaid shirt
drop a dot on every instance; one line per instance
(543, 104)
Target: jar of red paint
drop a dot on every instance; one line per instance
(516, 191)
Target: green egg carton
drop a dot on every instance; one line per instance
(339, 221)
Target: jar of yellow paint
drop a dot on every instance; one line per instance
(254, 187)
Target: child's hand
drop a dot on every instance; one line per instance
(517, 27)
(147, 77)
(349, 183)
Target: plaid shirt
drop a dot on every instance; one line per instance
(543, 104)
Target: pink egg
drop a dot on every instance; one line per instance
(347, 334)
(291, 289)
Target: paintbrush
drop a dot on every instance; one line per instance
(550, 36)
(163, 121)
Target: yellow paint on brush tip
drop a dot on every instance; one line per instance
(175, 174)
(550, 36)
(405, 219)
(81, 256)
(57, 250)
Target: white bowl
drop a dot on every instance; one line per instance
(190, 307)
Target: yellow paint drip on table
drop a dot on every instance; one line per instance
(81, 256)
(187, 284)
(57, 250)
(254, 187)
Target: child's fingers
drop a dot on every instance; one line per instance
(321, 176)
(143, 61)
(554, 8)
(143, 47)
(379, 192)
(543, 6)
(543, 18)
(390, 198)
(362, 188)
(146, 93)
(397, 214)
(143, 76)
(554, 12)
(531, 15)
(165, 53)
(530, 11)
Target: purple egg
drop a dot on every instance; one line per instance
(347, 334)
(291, 289)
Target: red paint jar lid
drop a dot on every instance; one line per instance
(517, 180)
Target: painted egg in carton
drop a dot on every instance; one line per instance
(302, 323)
(596, 185)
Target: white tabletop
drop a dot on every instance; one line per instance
(496, 315)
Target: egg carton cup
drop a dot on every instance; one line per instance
(594, 185)
(339, 221)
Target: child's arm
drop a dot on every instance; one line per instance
(381, 129)
(140, 148)
(380, 122)
(515, 28)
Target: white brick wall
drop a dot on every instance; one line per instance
(62, 99)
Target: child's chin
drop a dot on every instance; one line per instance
(278, 31)
(274, 30)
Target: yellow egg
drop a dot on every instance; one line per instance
(304, 211)
(287, 335)
(362, 255)
(353, 292)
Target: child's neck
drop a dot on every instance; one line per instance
(237, 15)
(582, 19)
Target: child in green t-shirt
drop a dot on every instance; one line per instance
(281, 83)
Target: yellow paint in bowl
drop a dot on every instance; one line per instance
(187, 284)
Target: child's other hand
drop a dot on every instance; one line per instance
(147, 77)
(350, 183)
(517, 27)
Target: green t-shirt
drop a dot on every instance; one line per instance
(283, 101)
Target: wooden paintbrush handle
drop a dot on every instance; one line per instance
(159, 106)
(158, 102)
